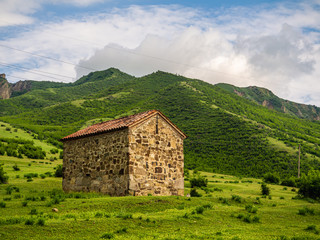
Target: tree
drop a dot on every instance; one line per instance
(265, 190)
(3, 176)
(58, 172)
(310, 185)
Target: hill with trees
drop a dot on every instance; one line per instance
(227, 132)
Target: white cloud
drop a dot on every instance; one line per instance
(15, 12)
(79, 3)
(242, 46)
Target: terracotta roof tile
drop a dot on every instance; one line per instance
(109, 125)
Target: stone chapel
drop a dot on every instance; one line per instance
(136, 155)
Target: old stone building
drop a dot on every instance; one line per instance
(136, 155)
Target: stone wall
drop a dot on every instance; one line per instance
(156, 159)
(97, 163)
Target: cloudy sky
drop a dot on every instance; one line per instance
(271, 44)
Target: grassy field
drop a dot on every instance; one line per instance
(232, 208)
(8, 131)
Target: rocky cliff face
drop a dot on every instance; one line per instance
(5, 88)
(8, 90)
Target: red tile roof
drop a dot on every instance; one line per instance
(116, 124)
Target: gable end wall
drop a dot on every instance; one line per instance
(156, 159)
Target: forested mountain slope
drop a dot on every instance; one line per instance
(267, 99)
(226, 132)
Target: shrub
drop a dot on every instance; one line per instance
(2, 204)
(251, 209)
(29, 221)
(312, 228)
(24, 203)
(304, 211)
(58, 172)
(310, 185)
(198, 181)
(41, 222)
(15, 167)
(43, 176)
(236, 198)
(54, 150)
(265, 190)
(33, 211)
(194, 193)
(107, 236)
(98, 215)
(290, 182)
(199, 210)
(271, 178)
(224, 200)
(122, 230)
(3, 176)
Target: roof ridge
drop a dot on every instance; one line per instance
(110, 125)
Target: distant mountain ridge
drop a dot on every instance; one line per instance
(266, 98)
(227, 132)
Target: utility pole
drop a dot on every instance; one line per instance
(299, 161)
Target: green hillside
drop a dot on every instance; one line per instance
(267, 99)
(227, 133)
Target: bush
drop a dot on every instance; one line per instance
(33, 211)
(251, 209)
(290, 182)
(198, 181)
(271, 178)
(16, 168)
(199, 210)
(265, 190)
(2, 204)
(194, 193)
(310, 185)
(236, 198)
(29, 221)
(58, 172)
(3, 176)
(107, 236)
(41, 222)
(304, 211)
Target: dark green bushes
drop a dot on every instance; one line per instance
(271, 178)
(310, 185)
(3, 176)
(58, 172)
(265, 190)
(198, 181)
(290, 182)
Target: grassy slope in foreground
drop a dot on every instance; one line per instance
(92, 216)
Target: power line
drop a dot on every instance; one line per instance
(134, 53)
(38, 72)
(50, 58)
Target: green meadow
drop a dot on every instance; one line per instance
(229, 208)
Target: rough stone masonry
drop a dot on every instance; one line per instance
(137, 155)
